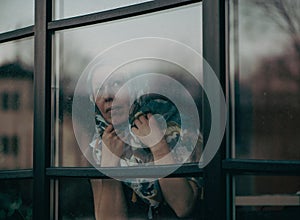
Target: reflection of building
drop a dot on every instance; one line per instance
(276, 118)
(271, 117)
(276, 107)
(16, 116)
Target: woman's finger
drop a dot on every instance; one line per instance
(137, 123)
(134, 130)
(109, 129)
(143, 119)
(149, 115)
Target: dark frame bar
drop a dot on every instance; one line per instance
(42, 110)
(262, 167)
(119, 13)
(17, 34)
(214, 53)
(16, 174)
(130, 172)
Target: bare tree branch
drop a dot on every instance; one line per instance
(286, 14)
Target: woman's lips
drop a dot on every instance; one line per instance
(108, 110)
(114, 108)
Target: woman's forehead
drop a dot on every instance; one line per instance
(101, 80)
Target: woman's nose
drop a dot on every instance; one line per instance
(108, 94)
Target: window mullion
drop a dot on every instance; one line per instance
(214, 54)
(42, 110)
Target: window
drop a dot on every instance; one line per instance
(4, 101)
(263, 99)
(10, 145)
(252, 47)
(5, 146)
(10, 101)
(15, 105)
(15, 145)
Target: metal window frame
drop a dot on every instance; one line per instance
(214, 54)
(218, 174)
(17, 34)
(128, 172)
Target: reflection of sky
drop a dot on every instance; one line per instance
(21, 50)
(79, 46)
(259, 36)
(16, 14)
(71, 8)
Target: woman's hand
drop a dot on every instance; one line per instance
(112, 148)
(148, 130)
(150, 134)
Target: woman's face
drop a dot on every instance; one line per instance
(113, 109)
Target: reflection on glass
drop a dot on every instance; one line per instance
(182, 25)
(71, 8)
(16, 104)
(79, 200)
(264, 66)
(22, 11)
(267, 197)
(16, 199)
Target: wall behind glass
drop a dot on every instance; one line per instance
(264, 75)
(16, 104)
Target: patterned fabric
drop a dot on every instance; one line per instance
(136, 153)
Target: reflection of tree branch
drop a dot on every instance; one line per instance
(272, 13)
(282, 10)
(283, 68)
(285, 13)
(294, 11)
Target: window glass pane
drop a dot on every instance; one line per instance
(267, 197)
(71, 8)
(16, 199)
(264, 74)
(16, 104)
(76, 201)
(16, 14)
(75, 49)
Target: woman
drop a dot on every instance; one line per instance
(146, 140)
